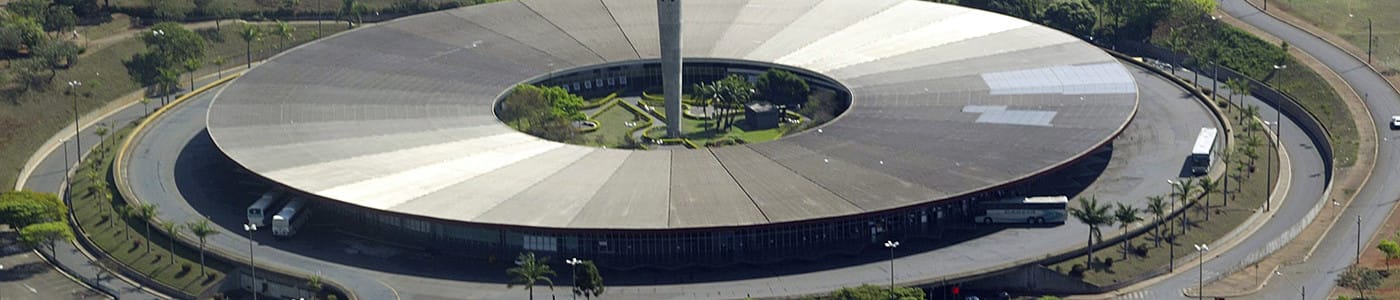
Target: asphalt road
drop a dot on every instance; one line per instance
(48, 176)
(1303, 193)
(179, 169)
(25, 276)
(1375, 200)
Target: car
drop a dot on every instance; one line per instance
(1394, 122)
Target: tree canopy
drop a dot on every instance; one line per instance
(546, 112)
(45, 234)
(24, 208)
(1078, 17)
(587, 281)
(782, 88)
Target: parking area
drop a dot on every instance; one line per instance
(24, 275)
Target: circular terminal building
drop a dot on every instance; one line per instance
(390, 129)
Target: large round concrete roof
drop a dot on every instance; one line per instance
(946, 101)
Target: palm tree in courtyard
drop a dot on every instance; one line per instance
(1157, 205)
(250, 33)
(528, 270)
(1125, 215)
(1182, 190)
(1091, 213)
(1207, 186)
(201, 229)
(284, 31)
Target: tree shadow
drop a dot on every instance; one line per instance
(23, 271)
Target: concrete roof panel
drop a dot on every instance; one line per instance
(399, 116)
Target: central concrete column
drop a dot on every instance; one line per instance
(669, 15)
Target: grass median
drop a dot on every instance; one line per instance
(123, 236)
(1351, 19)
(1148, 254)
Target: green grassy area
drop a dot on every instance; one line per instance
(1348, 19)
(124, 238)
(1310, 90)
(29, 118)
(612, 126)
(327, 8)
(119, 24)
(1150, 257)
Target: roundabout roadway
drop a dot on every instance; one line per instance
(178, 168)
(1375, 201)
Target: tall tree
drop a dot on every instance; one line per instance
(59, 19)
(1359, 278)
(169, 10)
(1125, 215)
(172, 230)
(528, 271)
(1391, 250)
(782, 88)
(1207, 186)
(201, 229)
(146, 212)
(283, 30)
(47, 233)
(1094, 215)
(250, 33)
(1183, 190)
(217, 9)
(587, 281)
(1158, 207)
(1078, 17)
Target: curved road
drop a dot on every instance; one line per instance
(1374, 201)
(182, 172)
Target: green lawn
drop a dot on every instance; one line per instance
(1223, 220)
(1347, 18)
(27, 119)
(124, 238)
(612, 128)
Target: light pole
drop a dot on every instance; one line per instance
(891, 245)
(573, 264)
(1358, 239)
(1269, 173)
(250, 228)
(73, 88)
(1171, 237)
(67, 179)
(1201, 279)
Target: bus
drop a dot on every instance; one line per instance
(1203, 152)
(286, 222)
(257, 213)
(1029, 210)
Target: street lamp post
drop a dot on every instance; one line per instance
(1358, 239)
(573, 264)
(1201, 279)
(250, 228)
(73, 88)
(1269, 173)
(891, 245)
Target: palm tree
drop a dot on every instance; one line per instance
(1157, 205)
(529, 270)
(1181, 190)
(1248, 113)
(145, 106)
(146, 212)
(250, 33)
(314, 285)
(219, 65)
(284, 31)
(201, 229)
(1207, 186)
(1125, 215)
(1250, 152)
(1090, 213)
(172, 229)
(101, 133)
(1225, 156)
(125, 211)
(706, 93)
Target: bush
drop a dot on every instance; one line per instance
(1076, 271)
(1108, 262)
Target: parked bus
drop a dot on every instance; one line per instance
(1030, 210)
(1203, 153)
(286, 222)
(258, 212)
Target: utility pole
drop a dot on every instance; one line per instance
(1358, 239)
(1369, 38)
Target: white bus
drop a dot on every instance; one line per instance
(1030, 210)
(258, 212)
(286, 222)
(1203, 152)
